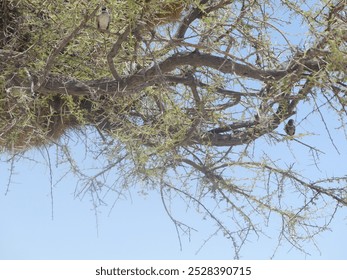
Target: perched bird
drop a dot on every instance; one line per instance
(290, 127)
(103, 20)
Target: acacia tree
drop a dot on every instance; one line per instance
(176, 95)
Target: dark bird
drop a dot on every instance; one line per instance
(290, 127)
(103, 20)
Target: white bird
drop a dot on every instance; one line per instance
(103, 20)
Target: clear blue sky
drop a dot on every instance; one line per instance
(137, 229)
